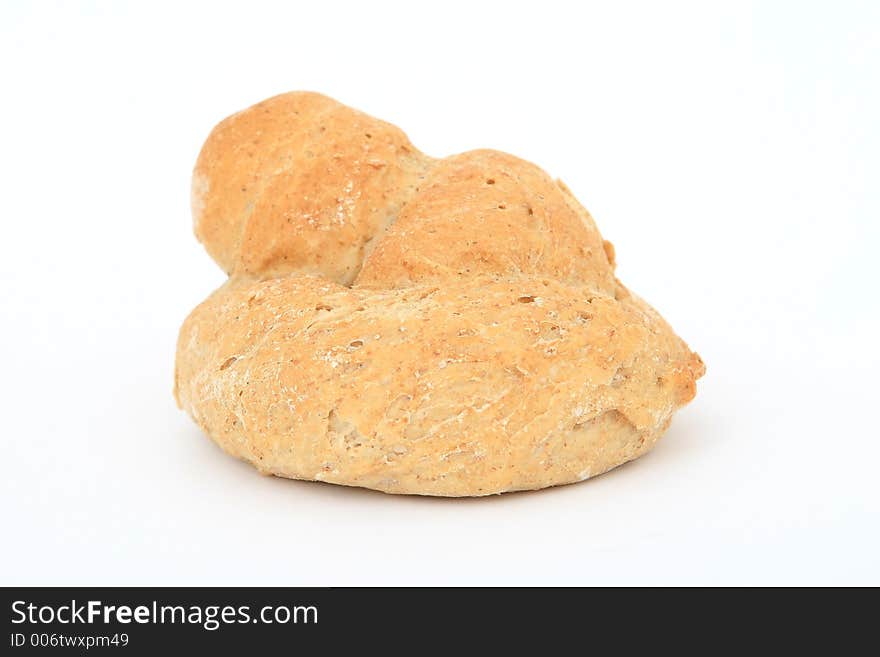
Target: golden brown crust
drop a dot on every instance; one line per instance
(482, 346)
(300, 183)
(497, 215)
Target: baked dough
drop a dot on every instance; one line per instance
(408, 324)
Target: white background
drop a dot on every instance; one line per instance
(729, 151)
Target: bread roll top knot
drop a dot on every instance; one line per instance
(301, 183)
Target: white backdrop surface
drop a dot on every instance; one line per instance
(730, 151)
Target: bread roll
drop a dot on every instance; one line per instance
(439, 327)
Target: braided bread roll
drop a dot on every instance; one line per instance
(412, 325)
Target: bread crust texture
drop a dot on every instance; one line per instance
(447, 327)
